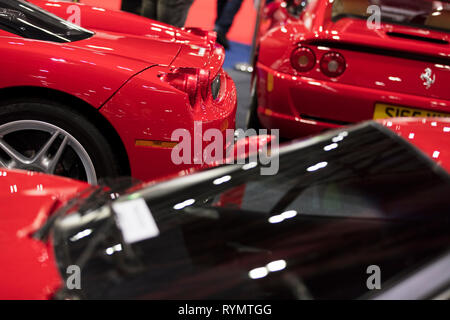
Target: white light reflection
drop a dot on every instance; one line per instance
(124, 68)
(58, 60)
(283, 216)
(317, 166)
(222, 180)
(114, 195)
(101, 48)
(258, 273)
(276, 219)
(397, 79)
(81, 235)
(289, 214)
(330, 147)
(275, 266)
(184, 204)
(250, 165)
(109, 251)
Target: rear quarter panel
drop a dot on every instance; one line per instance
(87, 74)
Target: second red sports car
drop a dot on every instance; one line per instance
(103, 99)
(324, 64)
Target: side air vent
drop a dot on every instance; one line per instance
(414, 37)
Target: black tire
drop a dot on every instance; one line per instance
(71, 121)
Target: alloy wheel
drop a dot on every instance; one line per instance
(43, 147)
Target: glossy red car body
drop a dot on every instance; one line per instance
(385, 66)
(109, 4)
(26, 200)
(116, 73)
(29, 268)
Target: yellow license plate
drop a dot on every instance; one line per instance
(383, 111)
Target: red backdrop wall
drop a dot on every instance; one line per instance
(203, 14)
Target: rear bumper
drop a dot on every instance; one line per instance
(300, 106)
(164, 112)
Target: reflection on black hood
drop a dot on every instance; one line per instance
(340, 203)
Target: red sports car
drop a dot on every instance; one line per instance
(374, 193)
(103, 99)
(322, 64)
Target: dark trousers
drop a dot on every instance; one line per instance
(172, 12)
(133, 6)
(226, 11)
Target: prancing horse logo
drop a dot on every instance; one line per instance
(428, 78)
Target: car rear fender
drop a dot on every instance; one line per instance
(83, 73)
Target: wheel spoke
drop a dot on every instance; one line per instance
(47, 155)
(13, 153)
(41, 155)
(54, 161)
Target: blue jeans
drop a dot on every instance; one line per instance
(226, 11)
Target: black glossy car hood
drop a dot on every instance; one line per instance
(302, 234)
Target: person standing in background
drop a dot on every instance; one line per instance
(133, 6)
(226, 11)
(173, 12)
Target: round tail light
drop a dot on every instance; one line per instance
(303, 59)
(332, 64)
(189, 80)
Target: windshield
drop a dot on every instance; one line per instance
(339, 204)
(428, 14)
(29, 21)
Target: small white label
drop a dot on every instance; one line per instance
(135, 220)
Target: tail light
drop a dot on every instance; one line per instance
(303, 59)
(190, 80)
(209, 36)
(332, 64)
